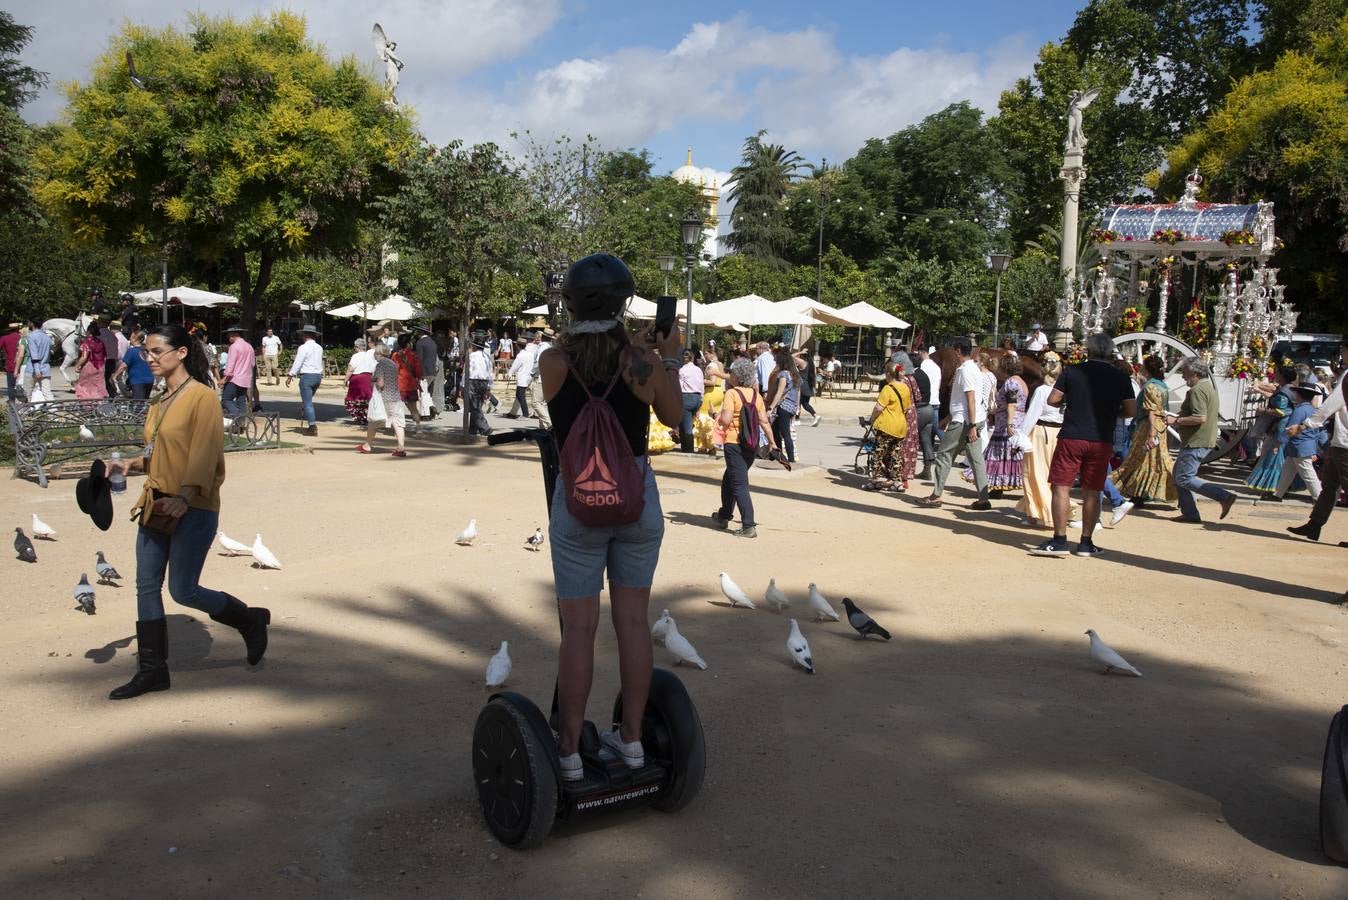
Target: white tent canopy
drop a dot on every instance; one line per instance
(395, 307)
(752, 309)
(825, 314)
(867, 316)
(641, 308)
(187, 296)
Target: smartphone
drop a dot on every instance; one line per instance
(666, 311)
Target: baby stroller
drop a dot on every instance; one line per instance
(859, 465)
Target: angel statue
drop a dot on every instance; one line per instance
(392, 64)
(1076, 138)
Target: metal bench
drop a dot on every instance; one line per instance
(47, 437)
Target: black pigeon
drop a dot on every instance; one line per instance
(863, 623)
(84, 596)
(23, 546)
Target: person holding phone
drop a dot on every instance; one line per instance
(634, 374)
(179, 508)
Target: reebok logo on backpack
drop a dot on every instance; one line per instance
(603, 485)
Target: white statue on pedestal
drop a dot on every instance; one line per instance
(1076, 137)
(392, 64)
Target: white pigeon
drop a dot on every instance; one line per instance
(233, 547)
(84, 595)
(469, 534)
(85, 433)
(661, 626)
(42, 530)
(734, 593)
(822, 608)
(683, 650)
(262, 557)
(106, 572)
(774, 596)
(535, 541)
(800, 648)
(498, 667)
(1108, 657)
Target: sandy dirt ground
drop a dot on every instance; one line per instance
(978, 754)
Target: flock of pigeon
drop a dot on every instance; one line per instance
(84, 591)
(666, 632)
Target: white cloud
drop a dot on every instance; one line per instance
(438, 41)
(797, 84)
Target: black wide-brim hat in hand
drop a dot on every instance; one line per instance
(94, 496)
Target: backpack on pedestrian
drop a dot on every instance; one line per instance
(751, 438)
(603, 485)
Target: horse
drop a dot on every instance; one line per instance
(67, 334)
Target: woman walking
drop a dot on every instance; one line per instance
(1037, 437)
(742, 393)
(784, 401)
(136, 367)
(359, 381)
(179, 509)
(1002, 460)
(805, 363)
(889, 417)
(409, 377)
(385, 383)
(598, 359)
(1146, 472)
(91, 384)
(1272, 421)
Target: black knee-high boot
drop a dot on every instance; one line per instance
(251, 621)
(152, 672)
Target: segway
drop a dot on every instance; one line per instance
(515, 764)
(1334, 791)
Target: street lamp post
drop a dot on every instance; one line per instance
(692, 230)
(666, 265)
(819, 264)
(997, 262)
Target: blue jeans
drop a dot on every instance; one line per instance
(781, 432)
(235, 399)
(691, 404)
(1111, 493)
(309, 384)
(1187, 482)
(183, 554)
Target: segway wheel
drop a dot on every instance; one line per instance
(671, 734)
(1334, 791)
(516, 781)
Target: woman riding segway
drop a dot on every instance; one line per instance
(632, 374)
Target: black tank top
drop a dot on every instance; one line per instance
(633, 414)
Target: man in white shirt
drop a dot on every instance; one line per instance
(522, 370)
(308, 365)
(540, 408)
(968, 420)
(764, 364)
(1335, 475)
(271, 351)
(478, 386)
(1038, 341)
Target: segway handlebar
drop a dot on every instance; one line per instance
(515, 435)
(547, 451)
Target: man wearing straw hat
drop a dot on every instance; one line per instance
(238, 374)
(308, 365)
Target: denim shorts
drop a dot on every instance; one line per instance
(580, 554)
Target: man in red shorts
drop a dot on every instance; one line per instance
(1096, 394)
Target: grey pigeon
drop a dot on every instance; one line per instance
(863, 623)
(24, 547)
(106, 573)
(84, 595)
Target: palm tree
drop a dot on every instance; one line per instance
(757, 187)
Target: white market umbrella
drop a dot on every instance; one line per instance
(187, 296)
(752, 309)
(395, 307)
(867, 316)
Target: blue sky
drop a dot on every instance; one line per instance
(820, 77)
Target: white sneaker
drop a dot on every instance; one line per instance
(817, 419)
(1120, 512)
(632, 753)
(572, 768)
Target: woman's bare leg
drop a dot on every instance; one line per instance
(635, 656)
(575, 668)
(398, 433)
(369, 434)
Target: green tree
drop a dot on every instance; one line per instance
(18, 84)
(247, 145)
(639, 223)
(458, 217)
(47, 274)
(757, 186)
(1282, 135)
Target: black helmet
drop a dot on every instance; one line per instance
(597, 287)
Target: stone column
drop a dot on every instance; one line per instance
(1073, 174)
